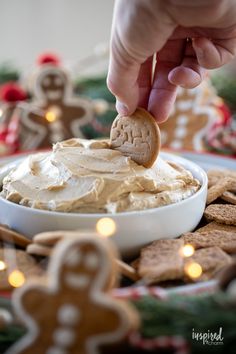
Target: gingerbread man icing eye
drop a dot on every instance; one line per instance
(74, 258)
(91, 261)
(46, 82)
(81, 266)
(88, 260)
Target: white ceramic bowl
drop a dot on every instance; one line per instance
(133, 229)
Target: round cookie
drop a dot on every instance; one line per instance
(11, 236)
(136, 136)
(51, 238)
(221, 213)
(39, 250)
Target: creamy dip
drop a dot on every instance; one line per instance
(86, 176)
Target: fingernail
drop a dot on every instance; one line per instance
(121, 108)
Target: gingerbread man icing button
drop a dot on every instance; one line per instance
(73, 314)
(136, 136)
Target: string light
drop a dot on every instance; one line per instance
(51, 116)
(187, 250)
(2, 265)
(5, 318)
(16, 278)
(106, 227)
(1, 112)
(193, 270)
(101, 106)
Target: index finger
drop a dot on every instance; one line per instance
(136, 36)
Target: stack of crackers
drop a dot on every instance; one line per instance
(15, 261)
(214, 244)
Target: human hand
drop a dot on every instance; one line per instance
(143, 28)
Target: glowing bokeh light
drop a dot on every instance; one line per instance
(193, 270)
(16, 278)
(187, 250)
(2, 265)
(106, 227)
(50, 116)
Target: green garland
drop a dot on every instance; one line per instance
(179, 315)
(95, 88)
(226, 88)
(10, 335)
(8, 73)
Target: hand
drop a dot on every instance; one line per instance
(143, 28)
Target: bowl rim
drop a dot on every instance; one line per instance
(193, 166)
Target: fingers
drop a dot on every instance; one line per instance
(186, 75)
(122, 81)
(163, 92)
(189, 74)
(214, 54)
(161, 101)
(141, 88)
(140, 28)
(144, 82)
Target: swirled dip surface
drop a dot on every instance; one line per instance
(89, 177)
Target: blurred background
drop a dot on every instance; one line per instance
(53, 47)
(71, 28)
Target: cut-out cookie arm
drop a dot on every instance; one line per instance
(119, 320)
(33, 300)
(29, 302)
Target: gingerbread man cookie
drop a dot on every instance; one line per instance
(195, 112)
(73, 314)
(136, 136)
(54, 114)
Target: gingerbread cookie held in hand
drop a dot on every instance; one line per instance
(136, 136)
(73, 314)
(54, 114)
